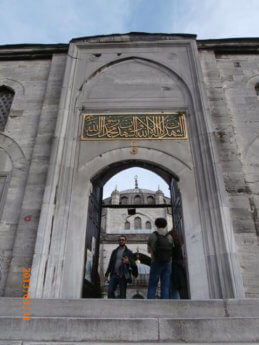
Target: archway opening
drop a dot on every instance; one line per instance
(115, 209)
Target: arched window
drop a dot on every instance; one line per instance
(137, 223)
(137, 200)
(257, 89)
(5, 173)
(127, 225)
(6, 99)
(150, 200)
(148, 225)
(124, 200)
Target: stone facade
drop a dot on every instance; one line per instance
(234, 107)
(47, 174)
(26, 143)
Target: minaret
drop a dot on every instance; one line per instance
(115, 197)
(159, 197)
(136, 181)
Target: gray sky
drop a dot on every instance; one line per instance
(58, 21)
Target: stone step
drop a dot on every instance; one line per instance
(131, 330)
(107, 308)
(231, 321)
(103, 343)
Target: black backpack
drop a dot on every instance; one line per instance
(163, 251)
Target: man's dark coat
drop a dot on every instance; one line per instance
(132, 264)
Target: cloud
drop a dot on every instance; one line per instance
(217, 19)
(60, 20)
(53, 21)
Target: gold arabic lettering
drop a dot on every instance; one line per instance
(134, 126)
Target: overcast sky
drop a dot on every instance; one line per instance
(58, 21)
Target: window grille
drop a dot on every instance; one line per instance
(6, 99)
(127, 225)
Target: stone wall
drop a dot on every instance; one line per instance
(27, 140)
(116, 218)
(234, 115)
(25, 147)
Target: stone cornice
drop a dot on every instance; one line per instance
(45, 51)
(31, 51)
(231, 45)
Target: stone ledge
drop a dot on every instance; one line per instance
(162, 330)
(98, 343)
(105, 308)
(79, 329)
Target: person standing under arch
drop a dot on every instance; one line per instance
(120, 266)
(178, 275)
(160, 246)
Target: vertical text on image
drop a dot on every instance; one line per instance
(26, 294)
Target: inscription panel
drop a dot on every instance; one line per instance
(134, 126)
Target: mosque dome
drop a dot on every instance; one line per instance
(137, 196)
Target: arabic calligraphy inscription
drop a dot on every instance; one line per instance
(134, 126)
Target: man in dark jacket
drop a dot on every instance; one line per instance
(121, 265)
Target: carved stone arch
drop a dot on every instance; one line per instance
(83, 96)
(5, 175)
(253, 84)
(14, 178)
(205, 214)
(17, 175)
(6, 101)
(167, 165)
(7, 88)
(14, 85)
(19, 92)
(14, 151)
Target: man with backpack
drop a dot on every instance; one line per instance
(160, 245)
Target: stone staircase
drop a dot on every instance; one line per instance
(96, 321)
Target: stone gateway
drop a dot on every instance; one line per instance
(73, 115)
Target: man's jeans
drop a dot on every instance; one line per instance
(162, 271)
(114, 281)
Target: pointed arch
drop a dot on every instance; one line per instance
(6, 100)
(127, 225)
(137, 223)
(182, 84)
